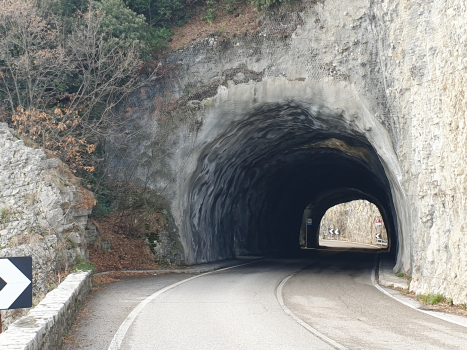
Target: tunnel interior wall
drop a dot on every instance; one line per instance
(252, 181)
(232, 111)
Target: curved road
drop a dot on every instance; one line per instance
(238, 308)
(233, 309)
(336, 297)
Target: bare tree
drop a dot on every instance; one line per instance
(61, 91)
(32, 64)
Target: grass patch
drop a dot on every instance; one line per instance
(5, 215)
(83, 265)
(431, 299)
(400, 274)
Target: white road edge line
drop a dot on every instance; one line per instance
(430, 313)
(302, 323)
(122, 330)
(334, 240)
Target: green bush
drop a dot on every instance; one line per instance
(230, 5)
(158, 38)
(153, 239)
(160, 13)
(267, 4)
(431, 299)
(4, 215)
(122, 23)
(83, 265)
(67, 8)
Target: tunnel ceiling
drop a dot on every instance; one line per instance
(252, 183)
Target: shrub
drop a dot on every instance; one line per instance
(157, 40)
(160, 13)
(267, 4)
(431, 299)
(83, 265)
(211, 10)
(123, 25)
(4, 215)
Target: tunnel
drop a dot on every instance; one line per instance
(253, 181)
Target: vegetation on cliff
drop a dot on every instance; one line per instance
(67, 65)
(63, 66)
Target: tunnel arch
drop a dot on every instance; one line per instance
(251, 182)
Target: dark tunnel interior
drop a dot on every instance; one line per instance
(253, 182)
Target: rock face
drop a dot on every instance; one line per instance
(425, 63)
(355, 221)
(365, 101)
(43, 213)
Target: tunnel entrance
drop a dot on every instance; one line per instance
(358, 221)
(251, 183)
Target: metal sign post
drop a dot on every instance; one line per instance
(308, 224)
(15, 284)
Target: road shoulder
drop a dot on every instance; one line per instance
(397, 288)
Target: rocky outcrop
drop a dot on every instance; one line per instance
(365, 101)
(43, 211)
(355, 221)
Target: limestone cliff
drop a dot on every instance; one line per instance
(362, 101)
(425, 67)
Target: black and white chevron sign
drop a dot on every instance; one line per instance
(15, 283)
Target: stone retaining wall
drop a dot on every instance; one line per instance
(43, 214)
(44, 326)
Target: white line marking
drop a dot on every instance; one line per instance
(441, 316)
(367, 244)
(301, 322)
(122, 330)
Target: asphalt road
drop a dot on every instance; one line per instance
(335, 296)
(233, 309)
(106, 308)
(238, 308)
